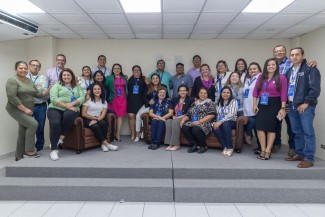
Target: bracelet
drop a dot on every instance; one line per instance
(284, 108)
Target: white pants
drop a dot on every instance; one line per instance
(138, 121)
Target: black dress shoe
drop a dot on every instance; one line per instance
(117, 140)
(192, 150)
(201, 150)
(155, 146)
(60, 146)
(150, 146)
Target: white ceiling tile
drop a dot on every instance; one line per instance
(203, 36)
(239, 28)
(121, 36)
(150, 18)
(73, 18)
(285, 35)
(302, 29)
(148, 29)
(208, 29)
(271, 28)
(290, 19)
(109, 19)
(225, 6)
(66, 35)
(86, 28)
(94, 35)
(305, 6)
(40, 18)
(318, 19)
(175, 36)
(42, 33)
(182, 5)
(100, 6)
(231, 35)
(259, 36)
(180, 18)
(148, 36)
(216, 18)
(178, 28)
(58, 6)
(55, 29)
(121, 29)
(257, 18)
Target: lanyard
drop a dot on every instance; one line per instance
(31, 78)
(87, 85)
(266, 84)
(249, 83)
(57, 72)
(219, 80)
(234, 90)
(161, 76)
(294, 75)
(197, 109)
(71, 89)
(207, 84)
(119, 82)
(223, 110)
(136, 81)
(180, 105)
(102, 70)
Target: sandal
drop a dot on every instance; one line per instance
(267, 155)
(229, 152)
(169, 147)
(224, 152)
(175, 148)
(261, 156)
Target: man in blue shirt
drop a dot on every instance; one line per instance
(180, 78)
(164, 75)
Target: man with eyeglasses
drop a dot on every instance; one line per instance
(165, 77)
(53, 74)
(280, 53)
(40, 106)
(195, 71)
(101, 60)
(179, 79)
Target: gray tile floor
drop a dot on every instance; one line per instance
(117, 209)
(140, 209)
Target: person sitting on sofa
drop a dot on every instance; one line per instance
(93, 112)
(226, 120)
(181, 104)
(196, 123)
(160, 111)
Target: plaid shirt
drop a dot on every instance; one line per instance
(285, 65)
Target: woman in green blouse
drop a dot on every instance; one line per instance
(66, 98)
(20, 93)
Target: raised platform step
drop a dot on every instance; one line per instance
(86, 189)
(249, 191)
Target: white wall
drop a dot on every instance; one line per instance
(126, 52)
(314, 46)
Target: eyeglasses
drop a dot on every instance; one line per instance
(33, 65)
(117, 69)
(280, 51)
(197, 59)
(161, 64)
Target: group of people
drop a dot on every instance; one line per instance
(195, 103)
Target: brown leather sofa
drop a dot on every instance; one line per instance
(211, 140)
(80, 137)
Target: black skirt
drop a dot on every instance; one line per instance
(266, 119)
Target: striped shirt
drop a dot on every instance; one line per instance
(284, 65)
(229, 112)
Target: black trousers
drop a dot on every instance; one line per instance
(60, 124)
(195, 135)
(100, 129)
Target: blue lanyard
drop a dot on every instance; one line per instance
(223, 110)
(179, 104)
(71, 89)
(266, 84)
(57, 72)
(31, 78)
(197, 110)
(161, 76)
(249, 83)
(234, 90)
(87, 85)
(293, 75)
(136, 81)
(102, 70)
(119, 83)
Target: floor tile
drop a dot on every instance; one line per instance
(96, 209)
(222, 210)
(191, 210)
(9, 207)
(64, 209)
(159, 210)
(285, 210)
(253, 210)
(127, 209)
(312, 210)
(33, 209)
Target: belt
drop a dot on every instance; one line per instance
(36, 104)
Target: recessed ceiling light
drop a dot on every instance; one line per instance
(141, 6)
(19, 6)
(266, 6)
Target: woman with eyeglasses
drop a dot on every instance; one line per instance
(117, 85)
(136, 90)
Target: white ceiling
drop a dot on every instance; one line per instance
(180, 19)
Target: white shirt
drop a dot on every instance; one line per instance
(95, 108)
(248, 102)
(224, 79)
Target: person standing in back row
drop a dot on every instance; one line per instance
(101, 60)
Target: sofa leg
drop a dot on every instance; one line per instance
(78, 151)
(238, 150)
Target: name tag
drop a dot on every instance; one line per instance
(264, 99)
(195, 118)
(73, 99)
(158, 113)
(136, 89)
(246, 93)
(179, 113)
(220, 117)
(119, 92)
(291, 90)
(238, 102)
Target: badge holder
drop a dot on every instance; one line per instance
(264, 99)
(135, 89)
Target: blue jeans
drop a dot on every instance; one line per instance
(157, 131)
(291, 135)
(40, 117)
(250, 127)
(224, 134)
(302, 127)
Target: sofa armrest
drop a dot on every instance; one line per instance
(145, 119)
(240, 125)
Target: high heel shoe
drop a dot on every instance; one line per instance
(267, 155)
(261, 156)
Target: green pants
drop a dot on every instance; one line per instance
(26, 132)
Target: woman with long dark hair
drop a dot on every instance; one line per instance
(271, 89)
(241, 68)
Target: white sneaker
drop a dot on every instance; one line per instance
(104, 148)
(112, 147)
(136, 139)
(54, 155)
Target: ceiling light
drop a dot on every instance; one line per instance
(19, 6)
(266, 6)
(141, 6)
